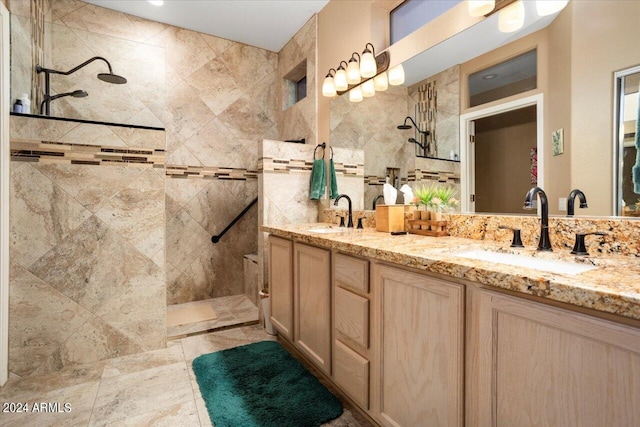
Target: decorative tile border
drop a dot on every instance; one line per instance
(209, 172)
(271, 165)
(439, 176)
(24, 150)
(415, 176)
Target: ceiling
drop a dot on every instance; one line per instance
(267, 24)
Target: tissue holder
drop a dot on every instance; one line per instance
(390, 218)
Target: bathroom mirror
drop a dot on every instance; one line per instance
(581, 49)
(124, 85)
(627, 112)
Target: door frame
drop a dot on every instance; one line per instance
(467, 168)
(5, 105)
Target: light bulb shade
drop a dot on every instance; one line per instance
(396, 75)
(328, 88)
(548, 7)
(368, 67)
(480, 7)
(340, 80)
(511, 18)
(353, 72)
(380, 82)
(368, 88)
(355, 94)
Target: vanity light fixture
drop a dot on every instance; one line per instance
(328, 86)
(380, 82)
(511, 18)
(368, 66)
(396, 75)
(548, 7)
(156, 2)
(340, 79)
(480, 7)
(349, 77)
(353, 70)
(368, 88)
(355, 94)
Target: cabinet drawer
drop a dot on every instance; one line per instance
(351, 372)
(352, 273)
(352, 317)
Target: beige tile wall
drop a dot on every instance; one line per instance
(216, 98)
(87, 244)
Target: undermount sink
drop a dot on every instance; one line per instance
(327, 230)
(548, 265)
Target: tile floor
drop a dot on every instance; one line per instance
(156, 388)
(231, 310)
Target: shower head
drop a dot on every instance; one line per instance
(75, 94)
(406, 126)
(105, 77)
(79, 94)
(112, 78)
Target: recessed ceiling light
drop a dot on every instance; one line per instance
(490, 76)
(156, 2)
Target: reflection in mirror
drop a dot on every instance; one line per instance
(628, 138)
(373, 126)
(92, 90)
(578, 51)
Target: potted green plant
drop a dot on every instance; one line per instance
(443, 200)
(425, 194)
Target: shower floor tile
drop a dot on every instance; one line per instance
(230, 311)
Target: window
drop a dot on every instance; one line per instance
(294, 85)
(413, 14)
(513, 76)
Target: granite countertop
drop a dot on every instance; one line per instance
(612, 287)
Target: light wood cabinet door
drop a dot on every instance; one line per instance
(421, 350)
(281, 285)
(312, 293)
(537, 365)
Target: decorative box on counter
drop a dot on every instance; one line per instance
(390, 218)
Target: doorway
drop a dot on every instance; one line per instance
(501, 155)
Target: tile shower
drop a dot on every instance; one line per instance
(111, 224)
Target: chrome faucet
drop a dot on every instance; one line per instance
(544, 244)
(572, 199)
(350, 223)
(375, 201)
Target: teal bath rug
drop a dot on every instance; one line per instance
(262, 385)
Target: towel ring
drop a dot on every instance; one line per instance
(323, 146)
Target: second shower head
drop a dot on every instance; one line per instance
(112, 78)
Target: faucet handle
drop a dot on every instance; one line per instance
(360, 223)
(342, 221)
(516, 242)
(579, 248)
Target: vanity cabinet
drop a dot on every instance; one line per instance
(312, 304)
(352, 352)
(281, 285)
(534, 364)
(420, 339)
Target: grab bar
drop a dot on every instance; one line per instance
(216, 239)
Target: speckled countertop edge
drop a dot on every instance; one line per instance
(614, 287)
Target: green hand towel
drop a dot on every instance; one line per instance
(316, 188)
(333, 180)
